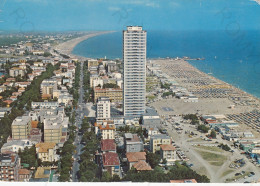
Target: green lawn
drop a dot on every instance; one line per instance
(151, 97)
(196, 140)
(216, 149)
(208, 156)
(227, 172)
(216, 163)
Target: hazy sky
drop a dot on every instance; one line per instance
(60, 15)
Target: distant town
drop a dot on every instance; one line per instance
(67, 118)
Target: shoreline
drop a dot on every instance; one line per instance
(216, 95)
(68, 46)
(224, 82)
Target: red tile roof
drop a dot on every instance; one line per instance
(142, 166)
(167, 147)
(110, 159)
(135, 156)
(24, 172)
(34, 124)
(108, 145)
(8, 101)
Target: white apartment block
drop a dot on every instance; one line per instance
(103, 108)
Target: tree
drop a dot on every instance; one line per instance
(166, 85)
(168, 94)
(115, 178)
(195, 122)
(164, 161)
(224, 147)
(190, 116)
(153, 159)
(47, 54)
(158, 175)
(40, 126)
(110, 85)
(213, 134)
(28, 156)
(203, 128)
(105, 177)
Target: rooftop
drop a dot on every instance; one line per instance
(160, 136)
(34, 124)
(107, 145)
(110, 159)
(42, 172)
(24, 172)
(21, 120)
(132, 138)
(142, 166)
(150, 112)
(135, 156)
(44, 147)
(167, 147)
(107, 127)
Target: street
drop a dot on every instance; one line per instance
(80, 113)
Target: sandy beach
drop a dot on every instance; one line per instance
(68, 46)
(215, 96)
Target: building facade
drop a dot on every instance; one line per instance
(46, 151)
(167, 152)
(115, 94)
(157, 140)
(103, 108)
(16, 71)
(134, 60)
(9, 167)
(52, 132)
(21, 127)
(133, 143)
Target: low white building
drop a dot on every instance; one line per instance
(15, 145)
(248, 134)
(47, 151)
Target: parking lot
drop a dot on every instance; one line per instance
(204, 155)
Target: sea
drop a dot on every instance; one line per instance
(231, 57)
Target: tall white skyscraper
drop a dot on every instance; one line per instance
(134, 59)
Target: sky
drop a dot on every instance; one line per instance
(76, 15)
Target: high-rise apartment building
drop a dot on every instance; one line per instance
(134, 59)
(21, 127)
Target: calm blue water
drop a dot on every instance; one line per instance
(231, 57)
